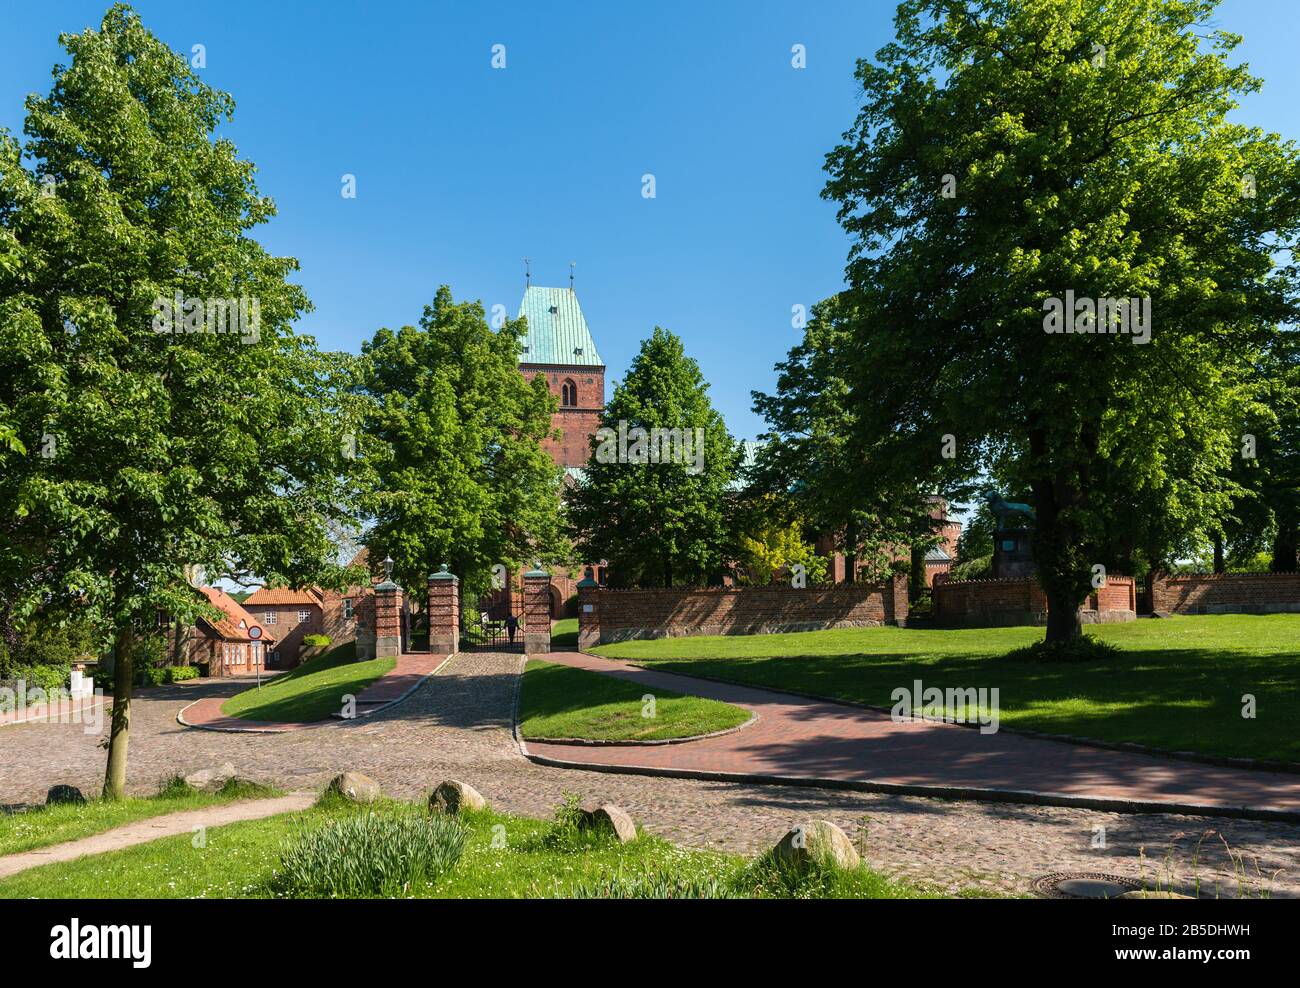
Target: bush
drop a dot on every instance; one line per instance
(660, 884)
(370, 854)
(316, 641)
(181, 673)
(978, 568)
(1085, 648)
(43, 677)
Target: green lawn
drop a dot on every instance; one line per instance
(562, 702)
(564, 635)
(504, 857)
(1178, 683)
(314, 691)
(46, 825)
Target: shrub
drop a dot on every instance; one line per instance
(175, 787)
(369, 854)
(316, 641)
(978, 568)
(178, 674)
(151, 676)
(660, 884)
(46, 677)
(1085, 648)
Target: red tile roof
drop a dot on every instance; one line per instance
(228, 626)
(282, 596)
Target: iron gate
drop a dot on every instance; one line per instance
(495, 622)
(415, 626)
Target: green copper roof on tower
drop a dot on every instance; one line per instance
(557, 330)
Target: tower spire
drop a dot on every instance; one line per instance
(572, 265)
(528, 275)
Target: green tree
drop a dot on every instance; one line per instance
(655, 503)
(772, 539)
(147, 452)
(1008, 152)
(456, 470)
(813, 451)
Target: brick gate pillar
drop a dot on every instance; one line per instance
(388, 620)
(444, 612)
(537, 612)
(588, 612)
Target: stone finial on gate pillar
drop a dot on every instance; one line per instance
(444, 612)
(537, 612)
(588, 612)
(388, 619)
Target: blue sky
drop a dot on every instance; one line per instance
(462, 170)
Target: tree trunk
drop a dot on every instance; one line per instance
(1218, 554)
(1062, 616)
(1285, 544)
(119, 730)
(851, 553)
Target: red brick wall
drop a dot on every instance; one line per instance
(1022, 601)
(619, 615)
(1225, 593)
(288, 630)
(577, 424)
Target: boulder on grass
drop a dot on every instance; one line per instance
(354, 787)
(817, 842)
(64, 794)
(607, 816)
(453, 796)
(210, 779)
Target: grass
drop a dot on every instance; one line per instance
(563, 702)
(564, 635)
(44, 826)
(503, 857)
(314, 691)
(1176, 684)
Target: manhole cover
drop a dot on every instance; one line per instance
(1084, 885)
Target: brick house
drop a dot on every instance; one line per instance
(236, 644)
(289, 615)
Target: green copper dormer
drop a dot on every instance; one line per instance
(557, 329)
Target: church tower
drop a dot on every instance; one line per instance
(559, 346)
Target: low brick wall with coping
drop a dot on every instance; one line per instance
(1226, 593)
(1021, 601)
(622, 615)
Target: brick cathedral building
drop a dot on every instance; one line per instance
(559, 347)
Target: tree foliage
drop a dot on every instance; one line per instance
(1010, 151)
(659, 523)
(456, 473)
(132, 454)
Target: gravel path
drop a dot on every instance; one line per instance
(458, 725)
(154, 828)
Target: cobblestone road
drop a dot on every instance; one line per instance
(458, 725)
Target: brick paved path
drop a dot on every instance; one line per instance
(458, 725)
(799, 738)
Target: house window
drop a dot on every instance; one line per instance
(568, 394)
(304, 617)
(270, 617)
(347, 608)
